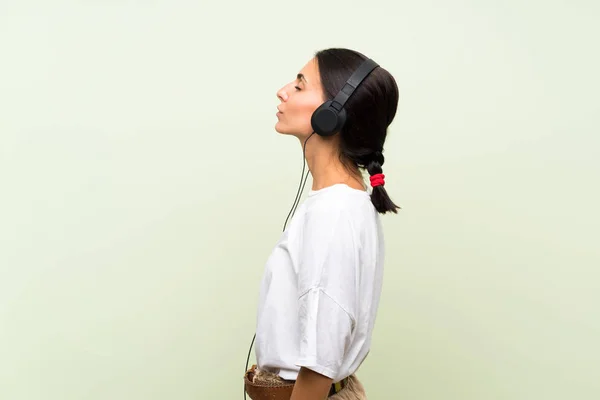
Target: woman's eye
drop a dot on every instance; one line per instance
(297, 87)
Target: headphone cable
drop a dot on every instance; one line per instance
(301, 186)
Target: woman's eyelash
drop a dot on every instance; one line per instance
(297, 87)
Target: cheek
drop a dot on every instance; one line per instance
(307, 108)
(299, 111)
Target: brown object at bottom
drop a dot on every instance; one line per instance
(263, 385)
(263, 390)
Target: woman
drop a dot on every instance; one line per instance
(321, 285)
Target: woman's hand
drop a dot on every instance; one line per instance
(311, 385)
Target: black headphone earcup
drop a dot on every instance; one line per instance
(326, 121)
(341, 120)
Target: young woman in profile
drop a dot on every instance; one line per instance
(321, 285)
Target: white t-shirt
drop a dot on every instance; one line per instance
(321, 286)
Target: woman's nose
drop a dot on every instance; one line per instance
(282, 94)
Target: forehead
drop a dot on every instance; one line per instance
(311, 72)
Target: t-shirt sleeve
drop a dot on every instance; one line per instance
(327, 290)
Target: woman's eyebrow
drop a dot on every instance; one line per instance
(301, 77)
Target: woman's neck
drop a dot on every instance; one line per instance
(326, 167)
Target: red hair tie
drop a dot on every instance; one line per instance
(377, 180)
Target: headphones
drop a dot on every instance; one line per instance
(330, 117)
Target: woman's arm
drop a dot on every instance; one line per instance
(311, 385)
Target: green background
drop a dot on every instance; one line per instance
(142, 187)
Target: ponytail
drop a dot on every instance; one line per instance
(379, 196)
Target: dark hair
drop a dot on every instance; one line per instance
(370, 110)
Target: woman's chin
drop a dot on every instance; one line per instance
(285, 130)
(281, 129)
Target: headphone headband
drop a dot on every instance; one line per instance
(353, 82)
